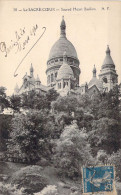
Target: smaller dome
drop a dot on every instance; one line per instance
(37, 79)
(95, 81)
(65, 70)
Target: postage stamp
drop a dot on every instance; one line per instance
(98, 179)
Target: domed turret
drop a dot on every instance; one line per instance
(56, 57)
(37, 81)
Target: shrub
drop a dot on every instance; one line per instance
(8, 189)
(30, 178)
(49, 190)
(102, 156)
(115, 159)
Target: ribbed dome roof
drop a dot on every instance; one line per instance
(65, 71)
(108, 59)
(60, 46)
(63, 44)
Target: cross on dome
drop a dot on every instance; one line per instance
(108, 50)
(63, 28)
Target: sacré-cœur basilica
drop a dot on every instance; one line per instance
(63, 72)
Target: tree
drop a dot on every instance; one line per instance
(110, 101)
(2, 91)
(72, 151)
(31, 135)
(66, 104)
(74, 108)
(4, 103)
(5, 122)
(15, 102)
(105, 135)
(51, 95)
(115, 159)
(35, 100)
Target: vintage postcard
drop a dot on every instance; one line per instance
(60, 97)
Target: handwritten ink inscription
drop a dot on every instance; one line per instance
(44, 29)
(22, 38)
(20, 41)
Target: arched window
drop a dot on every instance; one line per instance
(105, 80)
(55, 74)
(71, 86)
(113, 80)
(48, 79)
(51, 77)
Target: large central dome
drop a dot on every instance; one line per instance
(55, 59)
(63, 44)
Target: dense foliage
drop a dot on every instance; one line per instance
(67, 131)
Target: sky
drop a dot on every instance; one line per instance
(90, 26)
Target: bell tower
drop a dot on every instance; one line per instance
(108, 74)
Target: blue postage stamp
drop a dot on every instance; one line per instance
(98, 179)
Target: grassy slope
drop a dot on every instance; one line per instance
(63, 185)
(49, 172)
